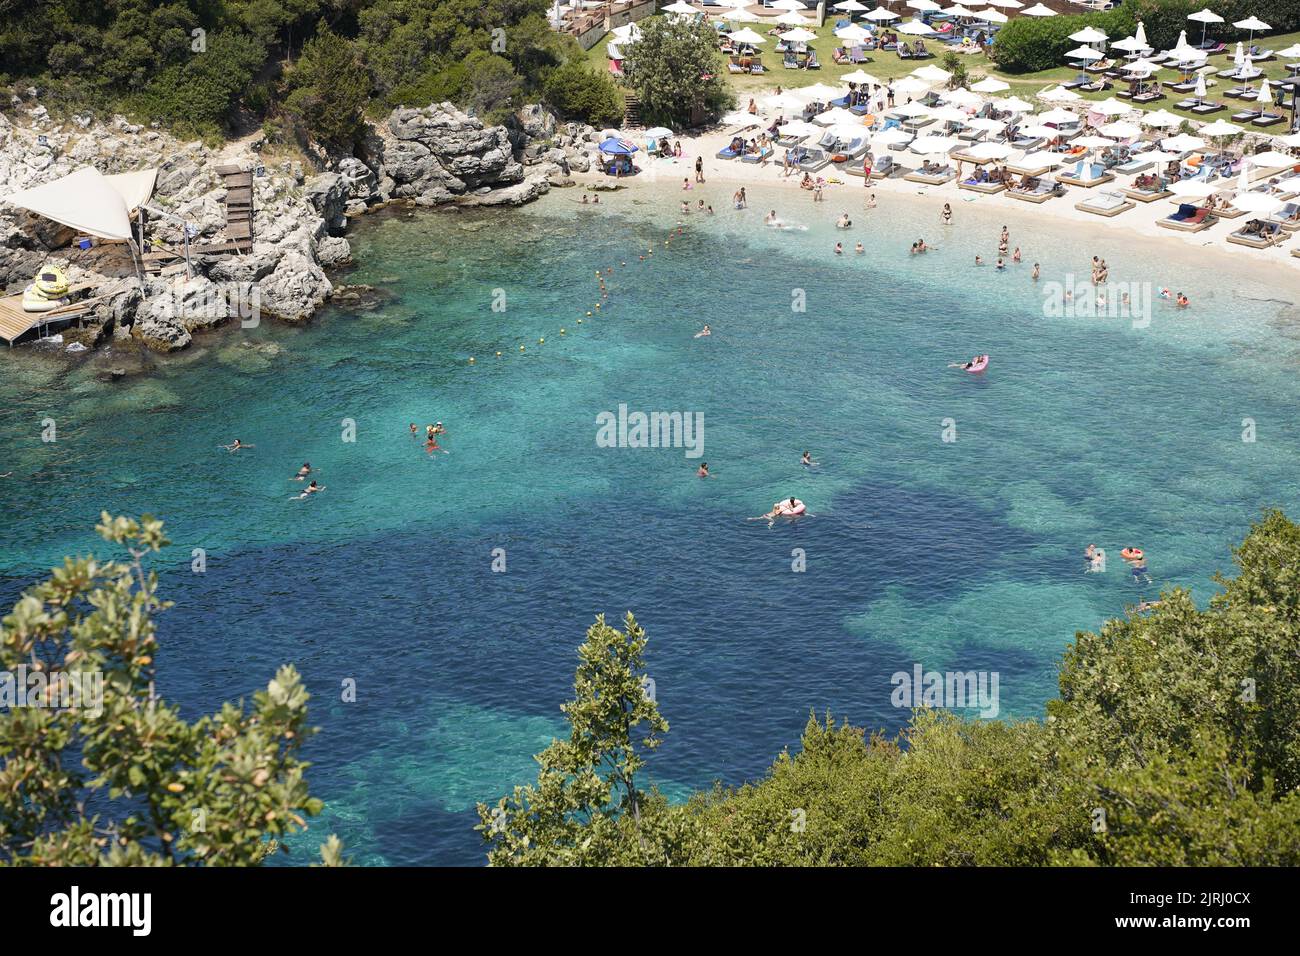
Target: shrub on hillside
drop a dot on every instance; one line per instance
(579, 93)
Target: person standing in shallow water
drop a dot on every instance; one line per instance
(699, 169)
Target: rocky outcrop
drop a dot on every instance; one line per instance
(430, 156)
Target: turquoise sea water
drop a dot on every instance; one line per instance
(955, 555)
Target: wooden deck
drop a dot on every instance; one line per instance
(15, 323)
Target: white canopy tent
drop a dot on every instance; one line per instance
(88, 201)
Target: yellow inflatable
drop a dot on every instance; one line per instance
(47, 291)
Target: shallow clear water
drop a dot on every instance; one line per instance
(956, 555)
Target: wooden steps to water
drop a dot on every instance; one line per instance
(15, 322)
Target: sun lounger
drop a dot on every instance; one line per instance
(1135, 164)
(1288, 217)
(764, 153)
(1042, 191)
(1259, 235)
(1246, 116)
(1085, 174)
(788, 141)
(1108, 204)
(728, 152)
(1188, 218)
(854, 148)
(1147, 195)
(813, 160)
(946, 174)
(885, 168)
(987, 188)
(1267, 119)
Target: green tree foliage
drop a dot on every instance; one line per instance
(676, 69)
(576, 92)
(1175, 741)
(127, 780)
(587, 800)
(329, 90)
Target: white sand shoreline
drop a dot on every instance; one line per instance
(1275, 268)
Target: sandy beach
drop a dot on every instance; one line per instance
(1274, 267)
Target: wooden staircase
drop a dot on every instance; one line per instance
(239, 204)
(631, 110)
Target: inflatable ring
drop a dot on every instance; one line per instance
(792, 510)
(1132, 554)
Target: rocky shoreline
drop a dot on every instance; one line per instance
(434, 156)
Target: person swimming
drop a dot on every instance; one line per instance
(1034, 274)
(308, 491)
(303, 472)
(771, 219)
(703, 332)
(235, 446)
(806, 459)
(844, 222)
(703, 470)
(859, 249)
(414, 431)
(839, 249)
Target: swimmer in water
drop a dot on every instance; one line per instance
(703, 332)
(1034, 275)
(859, 249)
(303, 472)
(235, 446)
(308, 491)
(947, 214)
(806, 459)
(414, 432)
(1015, 256)
(979, 260)
(432, 445)
(1182, 301)
(771, 219)
(703, 471)
(844, 221)
(839, 249)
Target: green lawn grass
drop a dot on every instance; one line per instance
(887, 65)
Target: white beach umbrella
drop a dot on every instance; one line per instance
(949, 114)
(837, 116)
(1265, 93)
(746, 35)
(1008, 4)
(1129, 45)
(1291, 52)
(1182, 143)
(993, 16)
(989, 151)
(1037, 130)
(923, 6)
(881, 15)
(679, 7)
(735, 3)
(916, 28)
(1252, 24)
(1260, 203)
(860, 76)
(1089, 35)
(1192, 188)
(1292, 140)
(1205, 18)
(1085, 53)
(990, 85)
(911, 110)
(1199, 92)
(791, 19)
(932, 74)
(1111, 107)
(782, 101)
(1013, 104)
(1043, 157)
(986, 124)
(798, 128)
(929, 145)
(1271, 158)
(787, 5)
(1219, 128)
(894, 136)
(1059, 94)
(1038, 10)
(911, 85)
(850, 6)
(1160, 119)
(743, 16)
(818, 91)
(1140, 34)
(1059, 116)
(1121, 129)
(628, 33)
(734, 118)
(1092, 142)
(798, 35)
(961, 97)
(957, 10)
(849, 131)
(854, 33)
